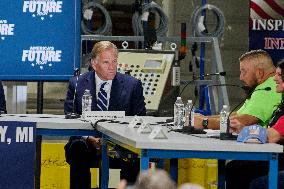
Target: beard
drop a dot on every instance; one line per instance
(249, 89)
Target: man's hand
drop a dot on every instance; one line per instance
(236, 125)
(122, 184)
(198, 118)
(96, 142)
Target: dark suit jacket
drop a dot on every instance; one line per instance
(126, 94)
(2, 99)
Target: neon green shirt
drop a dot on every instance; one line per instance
(262, 103)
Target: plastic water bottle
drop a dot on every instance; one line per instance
(179, 113)
(86, 102)
(189, 114)
(224, 120)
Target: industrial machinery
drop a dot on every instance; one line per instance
(152, 68)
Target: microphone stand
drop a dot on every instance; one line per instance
(228, 135)
(205, 75)
(190, 129)
(196, 94)
(73, 114)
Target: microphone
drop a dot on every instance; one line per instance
(244, 87)
(194, 102)
(228, 135)
(73, 114)
(205, 75)
(218, 73)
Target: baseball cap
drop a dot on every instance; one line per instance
(253, 134)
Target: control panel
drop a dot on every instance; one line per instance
(152, 68)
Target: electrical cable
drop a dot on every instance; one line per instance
(195, 79)
(137, 25)
(87, 17)
(197, 20)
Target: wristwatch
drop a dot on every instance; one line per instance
(205, 123)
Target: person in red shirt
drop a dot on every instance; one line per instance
(275, 132)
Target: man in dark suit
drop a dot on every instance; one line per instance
(120, 93)
(126, 94)
(2, 99)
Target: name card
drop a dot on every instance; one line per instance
(134, 123)
(94, 116)
(144, 128)
(158, 133)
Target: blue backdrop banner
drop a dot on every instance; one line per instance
(267, 27)
(39, 39)
(17, 157)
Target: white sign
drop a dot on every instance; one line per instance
(94, 116)
(41, 56)
(42, 8)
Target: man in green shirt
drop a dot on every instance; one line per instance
(262, 102)
(258, 109)
(256, 71)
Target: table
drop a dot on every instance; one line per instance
(186, 146)
(54, 125)
(176, 146)
(57, 125)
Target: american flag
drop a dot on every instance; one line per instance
(267, 9)
(266, 27)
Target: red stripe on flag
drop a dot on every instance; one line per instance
(259, 11)
(275, 7)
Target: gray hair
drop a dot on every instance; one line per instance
(259, 58)
(158, 179)
(101, 46)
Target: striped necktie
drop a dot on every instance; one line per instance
(102, 98)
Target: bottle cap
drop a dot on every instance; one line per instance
(87, 92)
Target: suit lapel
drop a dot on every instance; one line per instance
(115, 93)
